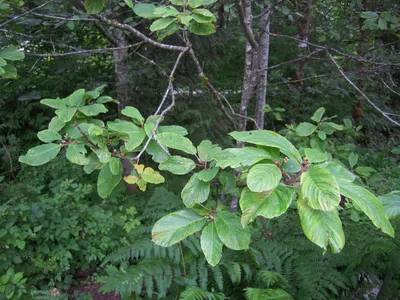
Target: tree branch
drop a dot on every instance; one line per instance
(64, 18)
(26, 13)
(360, 91)
(247, 27)
(294, 60)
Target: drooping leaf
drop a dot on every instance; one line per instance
(48, 136)
(66, 114)
(320, 189)
(133, 113)
(152, 176)
(40, 155)
(391, 204)
(93, 110)
(267, 204)
(94, 6)
(368, 203)
(76, 154)
(177, 165)
(322, 227)
(231, 232)
(176, 141)
(305, 129)
(207, 175)
(268, 138)
(315, 156)
(240, 157)
(107, 181)
(195, 191)
(211, 244)
(263, 177)
(176, 226)
(207, 150)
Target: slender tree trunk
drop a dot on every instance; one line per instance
(262, 80)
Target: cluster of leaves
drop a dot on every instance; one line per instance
(7, 54)
(382, 21)
(12, 284)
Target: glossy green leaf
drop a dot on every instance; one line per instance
(322, 227)
(40, 155)
(133, 113)
(160, 24)
(267, 204)
(207, 175)
(145, 10)
(177, 165)
(207, 150)
(231, 232)
(56, 124)
(368, 203)
(176, 141)
(263, 177)
(11, 53)
(315, 156)
(76, 153)
(115, 166)
(305, 129)
(318, 115)
(201, 28)
(268, 138)
(338, 171)
(107, 181)
(240, 157)
(211, 244)
(76, 99)
(353, 159)
(66, 114)
(195, 191)
(94, 6)
(48, 136)
(53, 103)
(135, 134)
(320, 189)
(93, 109)
(391, 204)
(152, 176)
(176, 226)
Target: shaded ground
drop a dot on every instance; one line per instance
(92, 288)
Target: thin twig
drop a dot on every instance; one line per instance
(9, 158)
(64, 18)
(361, 92)
(294, 60)
(392, 90)
(86, 137)
(26, 13)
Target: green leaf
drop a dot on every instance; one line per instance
(267, 204)
(94, 6)
(320, 189)
(133, 113)
(185, 20)
(338, 171)
(76, 99)
(11, 53)
(382, 23)
(322, 135)
(66, 114)
(166, 11)
(365, 171)
(3, 232)
(10, 291)
(115, 166)
(93, 109)
(129, 3)
(145, 10)
(207, 150)
(178, 2)
(318, 115)
(347, 122)
(169, 30)
(391, 204)
(157, 153)
(10, 72)
(231, 232)
(161, 24)
(105, 99)
(395, 151)
(2, 62)
(369, 15)
(314, 155)
(151, 176)
(353, 159)
(240, 157)
(322, 227)
(40, 155)
(103, 154)
(173, 128)
(208, 175)
(209, 2)
(53, 103)
(268, 138)
(368, 203)
(76, 154)
(48, 136)
(202, 19)
(135, 134)
(17, 277)
(93, 164)
(305, 129)
(107, 181)
(195, 191)
(195, 3)
(56, 124)
(177, 165)
(176, 226)
(4, 279)
(228, 181)
(201, 28)
(176, 141)
(263, 177)
(211, 244)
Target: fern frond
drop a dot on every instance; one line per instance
(196, 293)
(267, 294)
